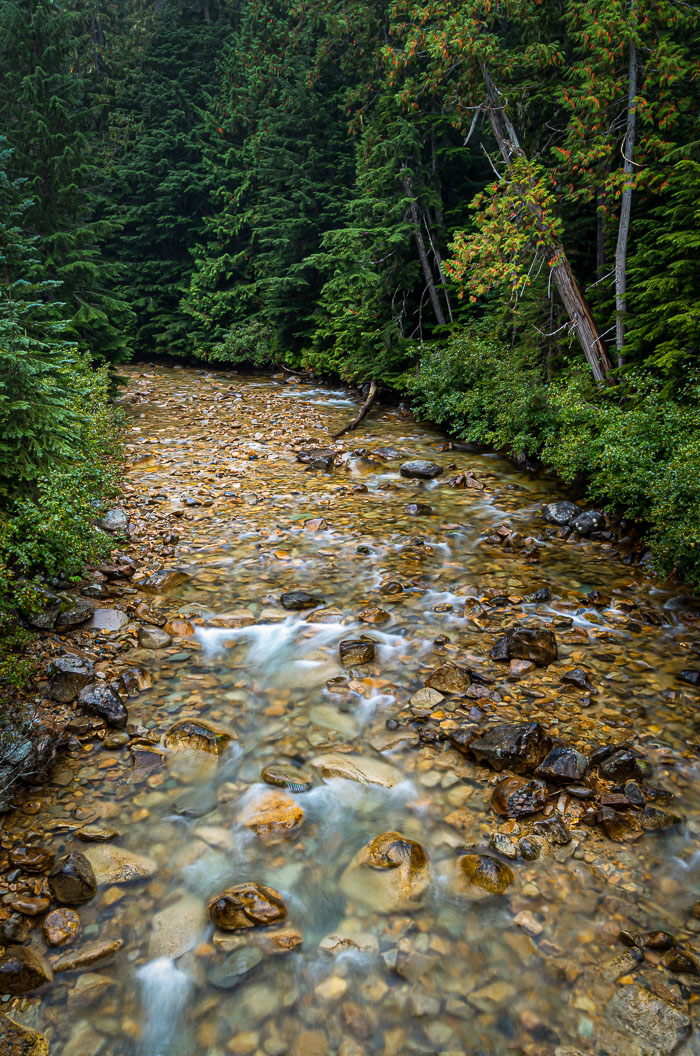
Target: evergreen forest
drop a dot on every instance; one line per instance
(489, 208)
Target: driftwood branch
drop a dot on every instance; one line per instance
(366, 406)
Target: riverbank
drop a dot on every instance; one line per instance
(234, 487)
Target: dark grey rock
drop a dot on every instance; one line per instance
(234, 968)
(587, 522)
(67, 676)
(562, 765)
(73, 612)
(516, 746)
(100, 699)
(526, 643)
(421, 469)
(561, 513)
(298, 600)
(72, 881)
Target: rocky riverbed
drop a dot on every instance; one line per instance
(367, 752)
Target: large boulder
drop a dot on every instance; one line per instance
(23, 970)
(389, 874)
(421, 469)
(516, 746)
(72, 881)
(115, 520)
(99, 699)
(67, 676)
(526, 643)
(73, 611)
(247, 905)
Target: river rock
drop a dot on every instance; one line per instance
(23, 970)
(298, 600)
(560, 513)
(32, 858)
(526, 643)
(115, 520)
(100, 699)
(449, 678)
(285, 775)
(356, 651)
(553, 829)
(649, 1018)
(373, 615)
(271, 814)
(247, 905)
(480, 876)
(619, 826)
(516, 746)
(323, 456)
(235, 967)
(154, 638)
(587, 522)
(579, 678)
(165, 579)
(621, 765)
(176, 928)
(16, 1040)
(196, 735)
(563, 765)
(361, 768)
(419, 509)
(72, 881)
(67, 676)
(390, 873)
(516, 797)
(326, 616)
(420, 469)
(73, 612)
(61, 927)
(108, 620)
(114, 865)
(86, 955)
(681, 962)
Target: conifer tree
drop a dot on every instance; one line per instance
(46, 116)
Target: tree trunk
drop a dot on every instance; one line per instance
(366, 406)
(563, 277)
(425, 263)
(600, 233)
(626, 202)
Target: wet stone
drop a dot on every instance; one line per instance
(23, 970)
(247, 905)
(620, 765)
(195, 735)
(32, 858)
(356, 651)
(554, 830)
(67, 676)
(560, 513)
(61, 927)
(577, 677)
(16, 1040)
(563, 764)
(516, 797)
(691, 676)
(526, 643)
(79, 610)
(72, 881)
(154, 638)
(480, 876)
(421, 469)
(165, 579)
(517, 746)
(101, 700)
(287, 776)
(298, 600)
(645, 1016)
(272, 814)
(681, 962)
(419, 509)
(449, 678)
(373, 615)
(619, 827)
(390, 873)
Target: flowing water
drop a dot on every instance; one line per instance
(529, 972)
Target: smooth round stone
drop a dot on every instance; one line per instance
(356, 651)
(284, 775)
(480, 876)
(234, 968)
(108, 620)
(421, 469)
(389, 874)
(198, 736)
(116, 740)
(246, 906)
(154, 638)
(298, 600)
(60, 927)
(72, 881)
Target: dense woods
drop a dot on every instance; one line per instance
(492, 207)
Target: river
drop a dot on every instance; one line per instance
(385, 948)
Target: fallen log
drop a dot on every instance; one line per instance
(366, 406)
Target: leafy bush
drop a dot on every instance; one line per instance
(637, 450)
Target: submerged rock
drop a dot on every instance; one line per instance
(644, 1015)
(196, 735)
(114, 865)
(165, 579)
(298, 600)
(516, 746)
(419, 509)
(390, 873)
(67, 676)
(285, 775)
(450, 678)
(177, 928)
(526, 643)
(356, 651)
(72, 881)
(479, 876)
(421, 469)
(235, 967)
(361, 768)
(247, 905)
(272, 814)
(23, 970)
(100, 699)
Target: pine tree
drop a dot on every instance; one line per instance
(46, 115)
(160, 187)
